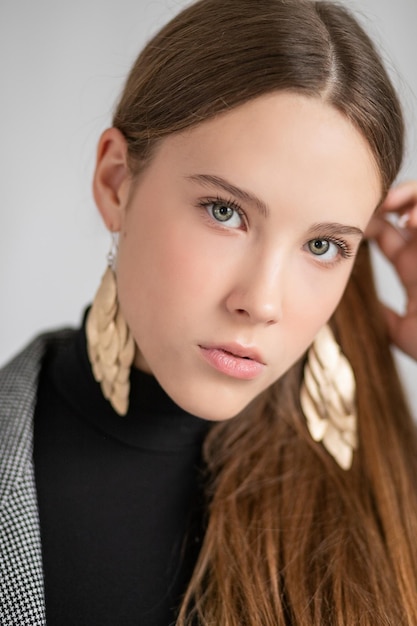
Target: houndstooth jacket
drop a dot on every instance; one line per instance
(21, 577)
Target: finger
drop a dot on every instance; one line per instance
(401, 250)
(409, 218)
(392, 320)
(404, 222)
(392, 241)
(400, 198)
(402, 331)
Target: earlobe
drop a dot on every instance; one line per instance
(111, 178)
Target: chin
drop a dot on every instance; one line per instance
(213, 402)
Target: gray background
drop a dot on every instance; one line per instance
(62, 66)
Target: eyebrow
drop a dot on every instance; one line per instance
(333, 228)
(209, 180)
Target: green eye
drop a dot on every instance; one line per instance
(225, 213)
(222, 212)
(319, 246)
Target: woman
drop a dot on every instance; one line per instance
(241, 175)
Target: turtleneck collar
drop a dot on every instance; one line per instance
(153, 420)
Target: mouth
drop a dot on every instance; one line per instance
(234, 360)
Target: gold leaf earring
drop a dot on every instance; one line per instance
(328, 398)
(110, 344)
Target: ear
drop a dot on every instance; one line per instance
(111, 180)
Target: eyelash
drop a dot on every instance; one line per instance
(344, 249)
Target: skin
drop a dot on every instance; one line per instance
(187, 281)
(399, 245)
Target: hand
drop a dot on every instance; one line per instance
(399, 244)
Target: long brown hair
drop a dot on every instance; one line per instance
(291, 538)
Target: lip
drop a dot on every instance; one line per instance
(234, 360)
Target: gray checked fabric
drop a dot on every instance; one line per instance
(21, 577)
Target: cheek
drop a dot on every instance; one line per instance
(311, 301)
(161, 271)
(315, 300)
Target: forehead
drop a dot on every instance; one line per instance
(284, 147)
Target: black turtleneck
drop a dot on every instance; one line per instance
(120, 498)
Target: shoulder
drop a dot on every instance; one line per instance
(18, 378)
(18, 391)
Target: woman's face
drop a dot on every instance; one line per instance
(236, 245)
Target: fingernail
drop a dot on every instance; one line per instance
(403, 220)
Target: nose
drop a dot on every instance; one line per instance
(257, 293)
